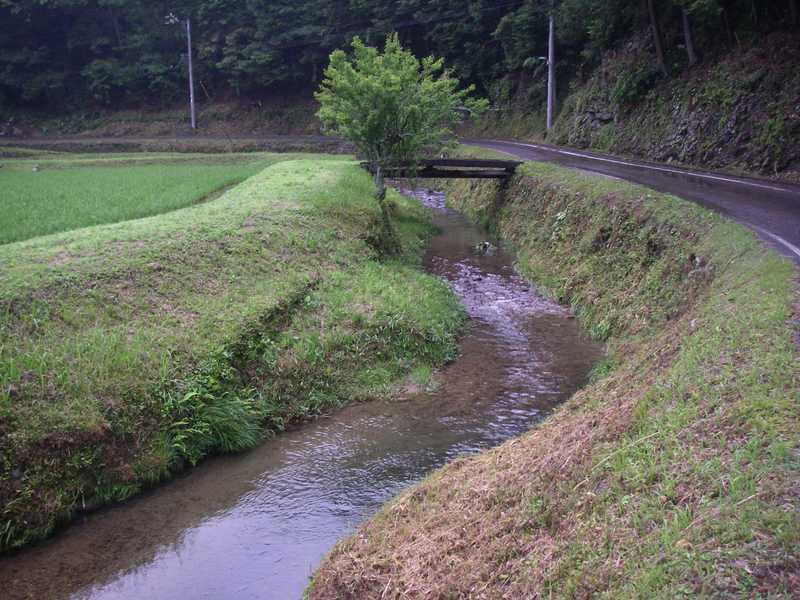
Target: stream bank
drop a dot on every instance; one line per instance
(673, 474)
(130, 351)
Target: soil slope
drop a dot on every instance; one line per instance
(737, 110)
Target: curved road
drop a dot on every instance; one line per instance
(770, 208)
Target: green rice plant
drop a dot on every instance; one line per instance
(36, 203)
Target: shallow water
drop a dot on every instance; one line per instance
(254, 526)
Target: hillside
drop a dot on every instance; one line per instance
(738, 110)
(742, 110)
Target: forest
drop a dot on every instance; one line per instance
(59, 55)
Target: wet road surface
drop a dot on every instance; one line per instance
(770, 208)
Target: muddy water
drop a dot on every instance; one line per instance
(256, 525)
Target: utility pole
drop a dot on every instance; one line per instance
(551, 69)
(662, 63)
(688, 39)
(191, 74)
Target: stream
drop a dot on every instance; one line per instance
(256, 525)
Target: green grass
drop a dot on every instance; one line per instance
(129, 350)
(47, 202)
(68, 192)
(673, 474)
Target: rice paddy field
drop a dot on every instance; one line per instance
(49, 192)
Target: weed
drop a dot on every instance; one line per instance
(632, 85)
(774, 137)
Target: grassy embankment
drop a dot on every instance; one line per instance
(130, 350)
(202, 144)
(291, 115)
(674, 474)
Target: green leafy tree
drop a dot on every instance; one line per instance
(394, 107)
(75, 54)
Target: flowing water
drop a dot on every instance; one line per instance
(254, 526)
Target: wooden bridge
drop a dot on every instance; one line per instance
(450, 168)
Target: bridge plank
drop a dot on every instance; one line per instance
(442, 168)
(432, 173)
(471, 163)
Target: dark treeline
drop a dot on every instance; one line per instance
(65, 53)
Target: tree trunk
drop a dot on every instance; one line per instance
(687, 35)
(380, 184)
(728, 30)
(389, 243)
(115, 24)
(651, 9)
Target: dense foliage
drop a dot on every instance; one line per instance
(392, 106)
(62, 53)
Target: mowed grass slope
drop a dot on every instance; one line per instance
(674, 474)
(130, 350)
(57, 192)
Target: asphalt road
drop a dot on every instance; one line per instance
(771, 209)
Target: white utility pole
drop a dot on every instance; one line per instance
(191, 74)
(551, 71)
